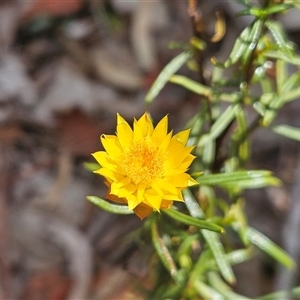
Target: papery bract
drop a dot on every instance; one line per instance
(145, 167)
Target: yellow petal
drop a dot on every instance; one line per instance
(103, 159)
(163, 146)
(115, 189)
(100, 157)
(157, 188)
(181, 180)
(110, 174)
(111, 145)
(152, 199)
(124, 133)
(120, 119)
(132, 201)
(166, 186)
(140, 191)
(176, 158)
(138, 134)
(175, 145)
(186, 162)
(183, 136)
(160, 131)
(125, 181)
(174, 172)
(192, 182)
(145, 124)
(127, 190)
(174, 197)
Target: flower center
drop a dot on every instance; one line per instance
(143, 162)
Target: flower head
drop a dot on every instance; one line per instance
(145, 167)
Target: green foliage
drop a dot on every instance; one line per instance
(166, 73)
(185, 219)
(240, 179)
(112, 208)
(261, 47)
(196, 258)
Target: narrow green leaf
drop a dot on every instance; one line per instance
(185, 219)
(281, 75)
(291, 95)
(279, 37)
(267, 98)
(277, 8)
(294, 60)
(239, 256)
(204, 262)
(232, 98)
(192, 205)
(243, 146)
(172, 67)
(208, 154)
(186, 245)
(220, 124)
(257, 12)
(234, 258)
(287, 131)
(206, 292)
(262, 77)
(266, 245)
(212, 240)
(260, 108)
(91, 166)
(163, 251)
(219, 285)
(191, 85)
(244, 45)
(218, 251)
(252, 40)
(238, 49)
(272, 111)
(292, 294)
(243, 179)
(170, 293)
(254, 183)
(290, 81)
(112, 208)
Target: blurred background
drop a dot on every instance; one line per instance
(66, 69)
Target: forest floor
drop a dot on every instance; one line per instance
(66, 69)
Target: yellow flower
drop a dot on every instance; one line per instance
(145, 167)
